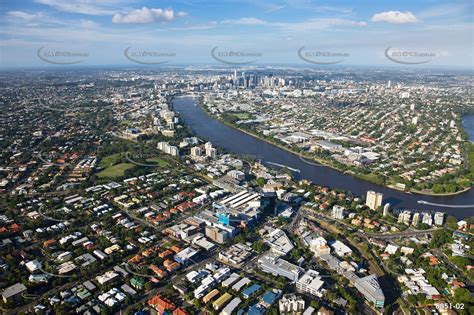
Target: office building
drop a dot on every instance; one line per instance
(235, 254)
(370, 288)
(184, 256)
(279, 242)
(217, 235)
(311, 282)
(278, 267)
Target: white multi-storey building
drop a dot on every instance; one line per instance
(338, 212)
(439, 218)
(427, 218)
(310, 283)
(374, 199)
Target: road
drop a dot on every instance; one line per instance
(382, 236)
(401, 234)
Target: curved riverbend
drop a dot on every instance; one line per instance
(239, 142)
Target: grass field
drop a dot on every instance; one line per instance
(110, 160)
(125, 122)
(115, 170)
(159, 162)
(241, 116)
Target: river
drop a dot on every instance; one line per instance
(468, 123)
(206, 127)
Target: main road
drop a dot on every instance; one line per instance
(239, 142)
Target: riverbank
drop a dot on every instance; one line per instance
(468, 126)
(427, 193)
(323, 162)
(241, 143)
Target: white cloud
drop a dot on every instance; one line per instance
(88, 24)
(274, 7)
(319, 24)
(395, 17)
(196, 27)
(146, 15)
(246, 21)
(33, 19)
(24, 15)
(361, 23)
(455, 10)
(89, 7)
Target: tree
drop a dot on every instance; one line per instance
(258, 246)
(412, 299)
(197, 303)
(315, 304)
(463, 296)
(452, 222)
(148, 286)
(261, 181)
(273, 311)
(440, 237)
(296, 254)
(421, 298)
(461, 262)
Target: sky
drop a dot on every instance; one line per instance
(53, 33)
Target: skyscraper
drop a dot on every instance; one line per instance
(210, 151)
(404, 217)
(374, 199)
(196, 151)
(427, 218)
(338, 212)
(439, 218)
(416, 219)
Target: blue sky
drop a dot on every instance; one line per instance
(190, 29)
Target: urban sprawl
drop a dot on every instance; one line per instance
(111, 204)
